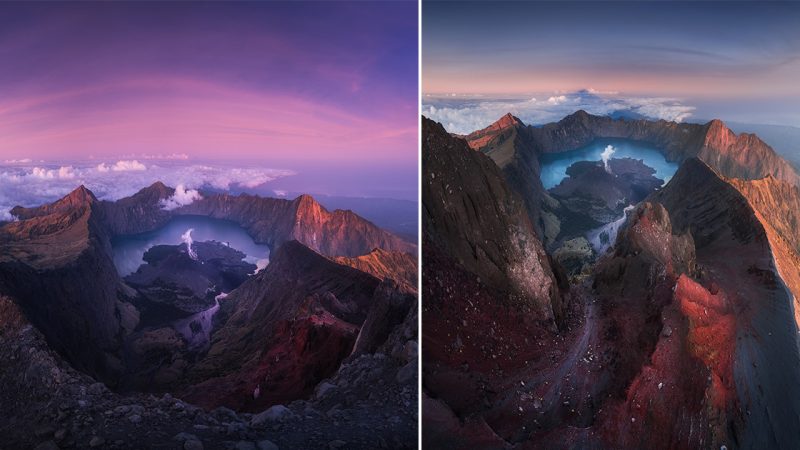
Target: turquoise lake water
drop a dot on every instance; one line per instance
(554, 165)
(128, 251)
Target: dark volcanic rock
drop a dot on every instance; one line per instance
(174, 284)
(596, 196)
(284, 330)
(56, 262)
(54, 405)
(470, 213)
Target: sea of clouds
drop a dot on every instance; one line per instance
(463, 114)
(28, 182)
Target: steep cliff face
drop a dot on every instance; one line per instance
(55, 260)
(341, 232)
(284, 330)
(777, 206)
(470, 213)
(138, 213)
(741, 323)
(268, 220)
(489, 290)
(510, 145)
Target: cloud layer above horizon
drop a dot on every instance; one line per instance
(32, 184)
(465, 114)
(733, 60)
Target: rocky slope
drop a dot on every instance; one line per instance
(56, 261)
(477, 238)
(470, 213)
(777, 206)
(56, 406)
(400, 267)
(286, 329)
(510, 145)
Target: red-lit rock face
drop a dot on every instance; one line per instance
(297, 355)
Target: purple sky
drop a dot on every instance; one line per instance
(734, 60)
(291, 85)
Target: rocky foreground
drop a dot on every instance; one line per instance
(55, 406)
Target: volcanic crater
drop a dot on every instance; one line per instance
(202, 341)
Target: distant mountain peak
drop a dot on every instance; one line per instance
(81, 193)
(507, 121)
(579, 115)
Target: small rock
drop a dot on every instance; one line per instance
(407, 373)
(223, 413)
(333, 445)
(324, 388)
(277, 413)
(266, 445)
(660, 385)
(183, 437)
(135, 418)
(97, 441)
(245, 445)
(667, 331)
(96, 389)
(60, 434)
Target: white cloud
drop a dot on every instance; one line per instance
(63, 172)
(181, 197)
(5, 214)
(127, 165)
(466, 114)
(280, 193)
(18, 161)
(33, 185)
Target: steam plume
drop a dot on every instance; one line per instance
(606, 155)
(187, 239)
